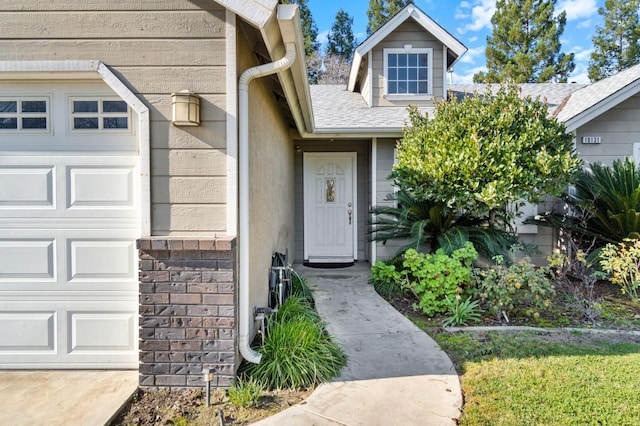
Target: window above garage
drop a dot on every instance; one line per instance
(24, 114)
(99, 114)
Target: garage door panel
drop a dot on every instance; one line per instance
(28, 331)
(69, 187)
(101, 331)
(26, 259)
(27, 187)
(91, 260)
(104, 188)
(69, 218)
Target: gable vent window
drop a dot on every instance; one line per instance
(99, 114)
(408, 71)
(24, 114)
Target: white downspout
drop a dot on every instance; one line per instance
(245, 314)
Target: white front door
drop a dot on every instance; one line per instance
(330, 228)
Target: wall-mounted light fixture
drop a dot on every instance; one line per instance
(186, 108)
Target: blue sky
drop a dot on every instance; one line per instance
(470, 22)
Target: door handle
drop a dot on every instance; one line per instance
(350, 212)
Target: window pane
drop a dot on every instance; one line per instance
(34, 123)
(34, 106)
(413, 73)
(8, 123)
(422, 73)
(422, 59)
(8, 106)
(402, 60)
(115, 123)
(422, 87)
(393, 74)
(85, 122)
(413, 87)
(402, 74)
(402, 87)
(393, 87)
(393, 60)
(413, 60)
(85, 106)
(114, 106)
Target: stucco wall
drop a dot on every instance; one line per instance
(156, 48)
(408, 33)
(619, 129)
(271, 178)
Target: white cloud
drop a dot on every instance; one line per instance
(473, 39)
(482, 14)
(585, 24)
(577, 9)
(581, 78)
(472, 54)
(322, 37)
(582, 55)
(468, 76)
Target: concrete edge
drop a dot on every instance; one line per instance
(124, 404)
(540, 329)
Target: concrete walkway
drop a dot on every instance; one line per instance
(79, 397)
(395, 374)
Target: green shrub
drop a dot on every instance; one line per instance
(605, 205)
(297, 352)
(518, 287)
(245, 392)
(461, 313)
(386, 278)
(300, 288)
(433, 277)
(622, 263)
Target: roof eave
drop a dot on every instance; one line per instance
(410, 11)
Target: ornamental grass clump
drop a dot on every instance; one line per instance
(297, 351)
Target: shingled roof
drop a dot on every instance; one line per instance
(336, 108)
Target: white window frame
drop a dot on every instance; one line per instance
(100, 115)
(19, 115)
(409, 96)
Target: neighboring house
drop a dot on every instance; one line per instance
(129, 241)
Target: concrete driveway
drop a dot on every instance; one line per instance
(79, 397)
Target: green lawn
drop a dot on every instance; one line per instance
(546, 379)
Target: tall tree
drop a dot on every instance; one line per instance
(524, 46)
(310, 36)
(380, 11)
(616, 43)
(341, 42)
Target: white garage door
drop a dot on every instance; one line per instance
(69, 217)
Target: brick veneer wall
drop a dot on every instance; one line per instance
(188, 311)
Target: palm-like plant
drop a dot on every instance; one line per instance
(426, 225)
(605, 204)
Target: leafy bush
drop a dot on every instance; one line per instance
(605, 204)
(433, 277)
(461, 313)
(479, 153)
(424, 224)
(622, 263)
(518, 287)
(297, 352)
(245, 392)
(386, 278)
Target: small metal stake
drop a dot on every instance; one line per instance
(208, 377)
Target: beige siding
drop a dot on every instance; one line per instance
(408, 33)
(271, 184)
(619, 129)
(362, 149)
(155, 48)
(384, 187)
